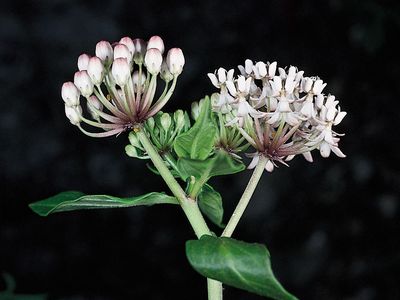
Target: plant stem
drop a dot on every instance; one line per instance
(214, 288)
(244, 200)
(189, 206)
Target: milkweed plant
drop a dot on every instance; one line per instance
(264, 112)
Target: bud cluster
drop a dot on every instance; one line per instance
(119, 84)
(280, 112)
(162, 129)
(228, 138)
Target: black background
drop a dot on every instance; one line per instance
(332, 226)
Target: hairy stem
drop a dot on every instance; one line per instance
(244, 200)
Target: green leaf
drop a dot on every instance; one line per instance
(210, 203)
(221, 163)
(236, 263)
(72, 200)
(198, 141)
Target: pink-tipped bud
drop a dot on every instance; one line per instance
(156, 42)
(83, 61)
(96, 70)
(135, 80)
(140, 50)
(175, 61)
(121, 71)
(165, 73)
(83, 83)
(104, 51)
(127, 41)
(153, 61)
(122, 51)
(74, 114)
(70, 94)
(94, 105)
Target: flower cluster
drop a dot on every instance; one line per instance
(280, 112)
(119, 84)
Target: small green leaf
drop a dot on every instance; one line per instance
(221, 163)
(210, 203)
(198, 141)
(236, 263)
(72, 200)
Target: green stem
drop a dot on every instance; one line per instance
(214, 288)
(244, 200)
(189, 206)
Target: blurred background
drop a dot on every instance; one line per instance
(332, 227)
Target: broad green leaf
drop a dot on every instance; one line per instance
(210, 203)
(221, 163)
(72, 200)
(236, 263)
(198, 141)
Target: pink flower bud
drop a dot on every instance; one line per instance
(104, 51)
(135, 80)
(121, 71)
(127, 41)
(74, 114)
(70, 94)
(96, 70)
(140, 50)
(175, 61)
(165, 73)
(122, 51)
(83, 61)
(153, 61)
(84, 83)
(156, 42)
(94, 104)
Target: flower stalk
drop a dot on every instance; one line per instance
(246, 196)
(188, 205)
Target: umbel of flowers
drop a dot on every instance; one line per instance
(119, 84)
(281, 113)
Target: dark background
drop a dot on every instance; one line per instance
(332, 226)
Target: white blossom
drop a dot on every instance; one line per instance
(281, 115)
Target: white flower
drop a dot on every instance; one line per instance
(240, 88)
(247, 69)
(157, 43)
(140, 50)
(325, 149)
(94, 106)
(84, 83)
(83, 61)
(104, 51)
(220, 77)
(135, 80)
(121, 71)
(122, 51)
(175, 61)
(127, 41)
(153, 60)
(70, 94)
(165, 74)
(74, 114)
(96, 70)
